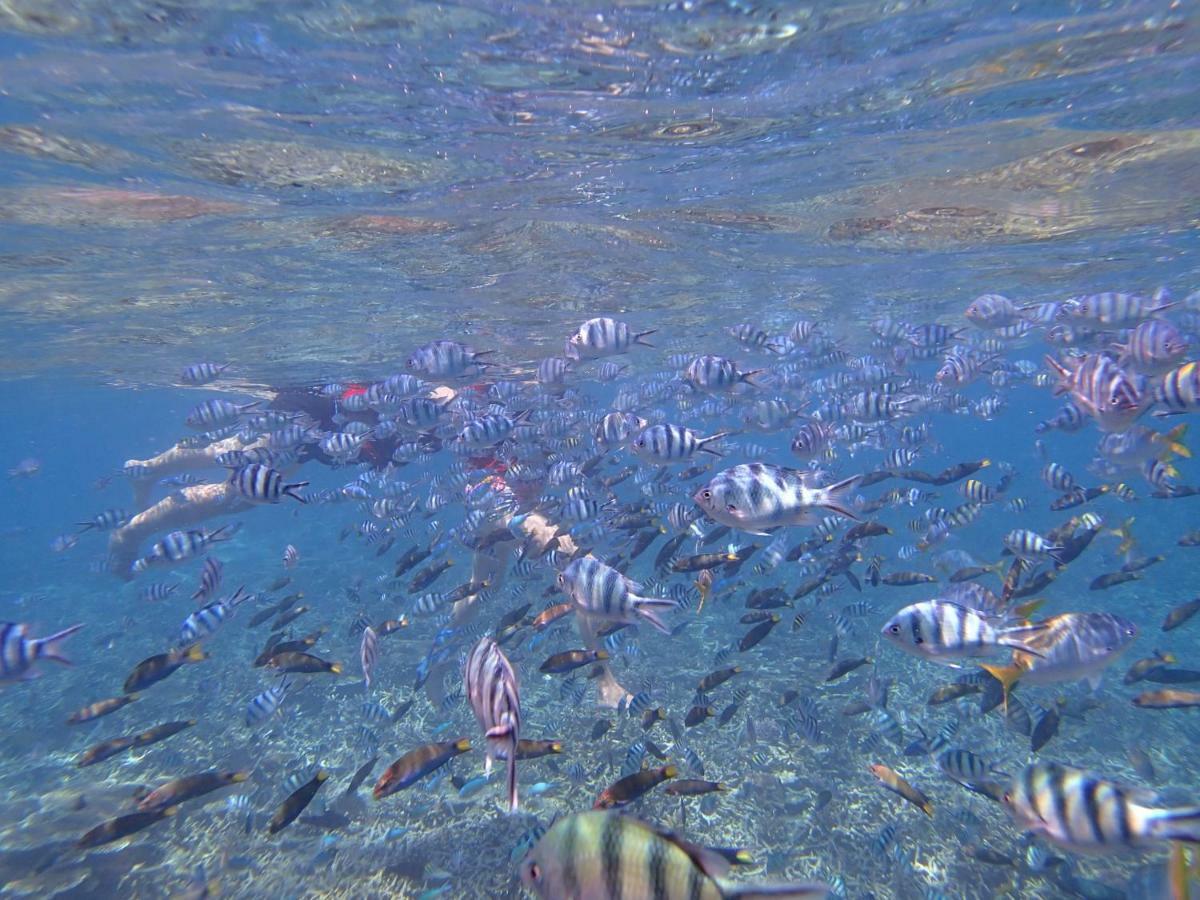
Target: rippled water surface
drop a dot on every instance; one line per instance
(309, 191)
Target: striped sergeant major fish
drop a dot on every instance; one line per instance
(603, 336)
(716, 373)
(446, 359)
(661, 444)
(943, 632)
(18, 653)
(369, 654)
(1111, 308)
(491, 688)
(202, 373)
(210, 579)
(182, 545)
(1179, 390)
(1069, 647)
(755, 497)
(603, 855)
(601, 592)
(216, 413)
(207, 619)
(1100, 388)
(264, 705)
(262, 484)
(1080, 811)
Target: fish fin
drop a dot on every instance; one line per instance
(709, 862)
(513, 801)
(639, 338)
(1174, 440)
(48, 647)
(653, 618)
(290, 490)
(1028, 608)
(1015, 644)
(1006, 675)
(1094, 682)
(1180, 824)
(835, 497)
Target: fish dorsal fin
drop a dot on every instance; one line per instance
(711, 863)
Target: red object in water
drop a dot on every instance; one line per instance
(353, 390)
(489, 464)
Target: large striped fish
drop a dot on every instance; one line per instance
(491, 688)
(1079, 811)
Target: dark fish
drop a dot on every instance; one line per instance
(123, 826)
(303, 663)
(950, 692)
(429, 575)
(156, 668)
(416, 764)
(845, 667)
(535, 749)
(1139, 669)
(865, 530)
(702, 561)
(698, 714)
(288, 617)
(767, 598)
(277, 647)
(1167, 699)
(1181, 614)
(105, 750)
(570, 660)
(600, 728)
(412, 557)
(651, 717)
(161, 732)
(719, 677)
(100, 708)
(296, 802)
(897, 785)
(1165, 675)
(757, 633)
(189, 788)
(1112, 579)
(629, 788)
(694, 787)
(905, 579)
(360, 775)
(1046, 728)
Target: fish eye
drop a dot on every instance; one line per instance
(895, 629)
(706, 494)
(1130, 632)
(535, 872)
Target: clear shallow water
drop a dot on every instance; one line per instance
(311, 194)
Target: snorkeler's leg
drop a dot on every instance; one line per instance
(544, 536)
(608, 688)
(182, 508)
(175, 461)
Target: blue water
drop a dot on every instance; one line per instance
(310, 193)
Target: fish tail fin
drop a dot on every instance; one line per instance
(1180, 824)
(836, 495)
(513, 802)
(640, 337)
(647, 608)
(1174, 441)
(1028, 608)
(702, 443)
(809, 891)
(748, 377)
(1008, 676)
(48, 647)
(292, 491)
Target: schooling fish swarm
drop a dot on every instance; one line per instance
(524, 497)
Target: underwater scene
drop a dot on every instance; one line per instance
(644, 449)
